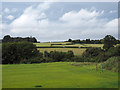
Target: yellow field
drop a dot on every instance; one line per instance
(77, 51)
(78, 45)
(49, 44)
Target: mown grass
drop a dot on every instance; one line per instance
(56, 75)
(77, 51)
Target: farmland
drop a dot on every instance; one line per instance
(65, 44)
(77, 51)
(57, 75)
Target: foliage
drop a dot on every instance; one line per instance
(69, 40)
(112, 64)
(17, 52)
(93, 54)
(113, 51)
(7, 38)
(109, 41)
(58, 56)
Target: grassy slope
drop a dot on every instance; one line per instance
(56, 75)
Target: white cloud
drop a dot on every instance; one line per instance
(0, 17)
(6, 10)
(112, 11)
(10, 17)
(14, 10)
(74, 24)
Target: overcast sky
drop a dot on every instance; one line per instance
(57, 21)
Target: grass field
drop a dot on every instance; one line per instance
(79, 45)
(49, 44)
(56, 75)
(77, 51)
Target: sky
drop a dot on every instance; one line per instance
(59, 21)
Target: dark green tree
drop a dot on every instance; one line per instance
(46, 54)
(17, 52)
(69, 40)
(109, 41)
(6, 38)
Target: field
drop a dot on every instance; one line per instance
(57, 75)
(64, 44)
(77, 51)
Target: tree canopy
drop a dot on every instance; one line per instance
(109, 41)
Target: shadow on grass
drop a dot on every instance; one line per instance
(38, 86)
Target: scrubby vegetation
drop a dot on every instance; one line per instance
(27, 52)
(112, 64)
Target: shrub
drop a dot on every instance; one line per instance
(18, 52)
(113, 51)
(93, 54)
(112, 64)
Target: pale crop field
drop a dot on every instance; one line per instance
(78, 45)
(77, 51)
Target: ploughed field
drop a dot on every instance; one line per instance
(57, 75)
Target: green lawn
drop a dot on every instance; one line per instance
(56, 75)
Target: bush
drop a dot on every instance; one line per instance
(113, 51)
(93, 54)
(56, 56)
(18, 52)
(112, 64)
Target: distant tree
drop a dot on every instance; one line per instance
(7, 38)
(69, 40)
(109, 41)
(88, 41)
(76, 41)
(46, 54)
(70, 54)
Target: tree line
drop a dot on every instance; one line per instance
(88, 41)
(26, 52)
(8, 38)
